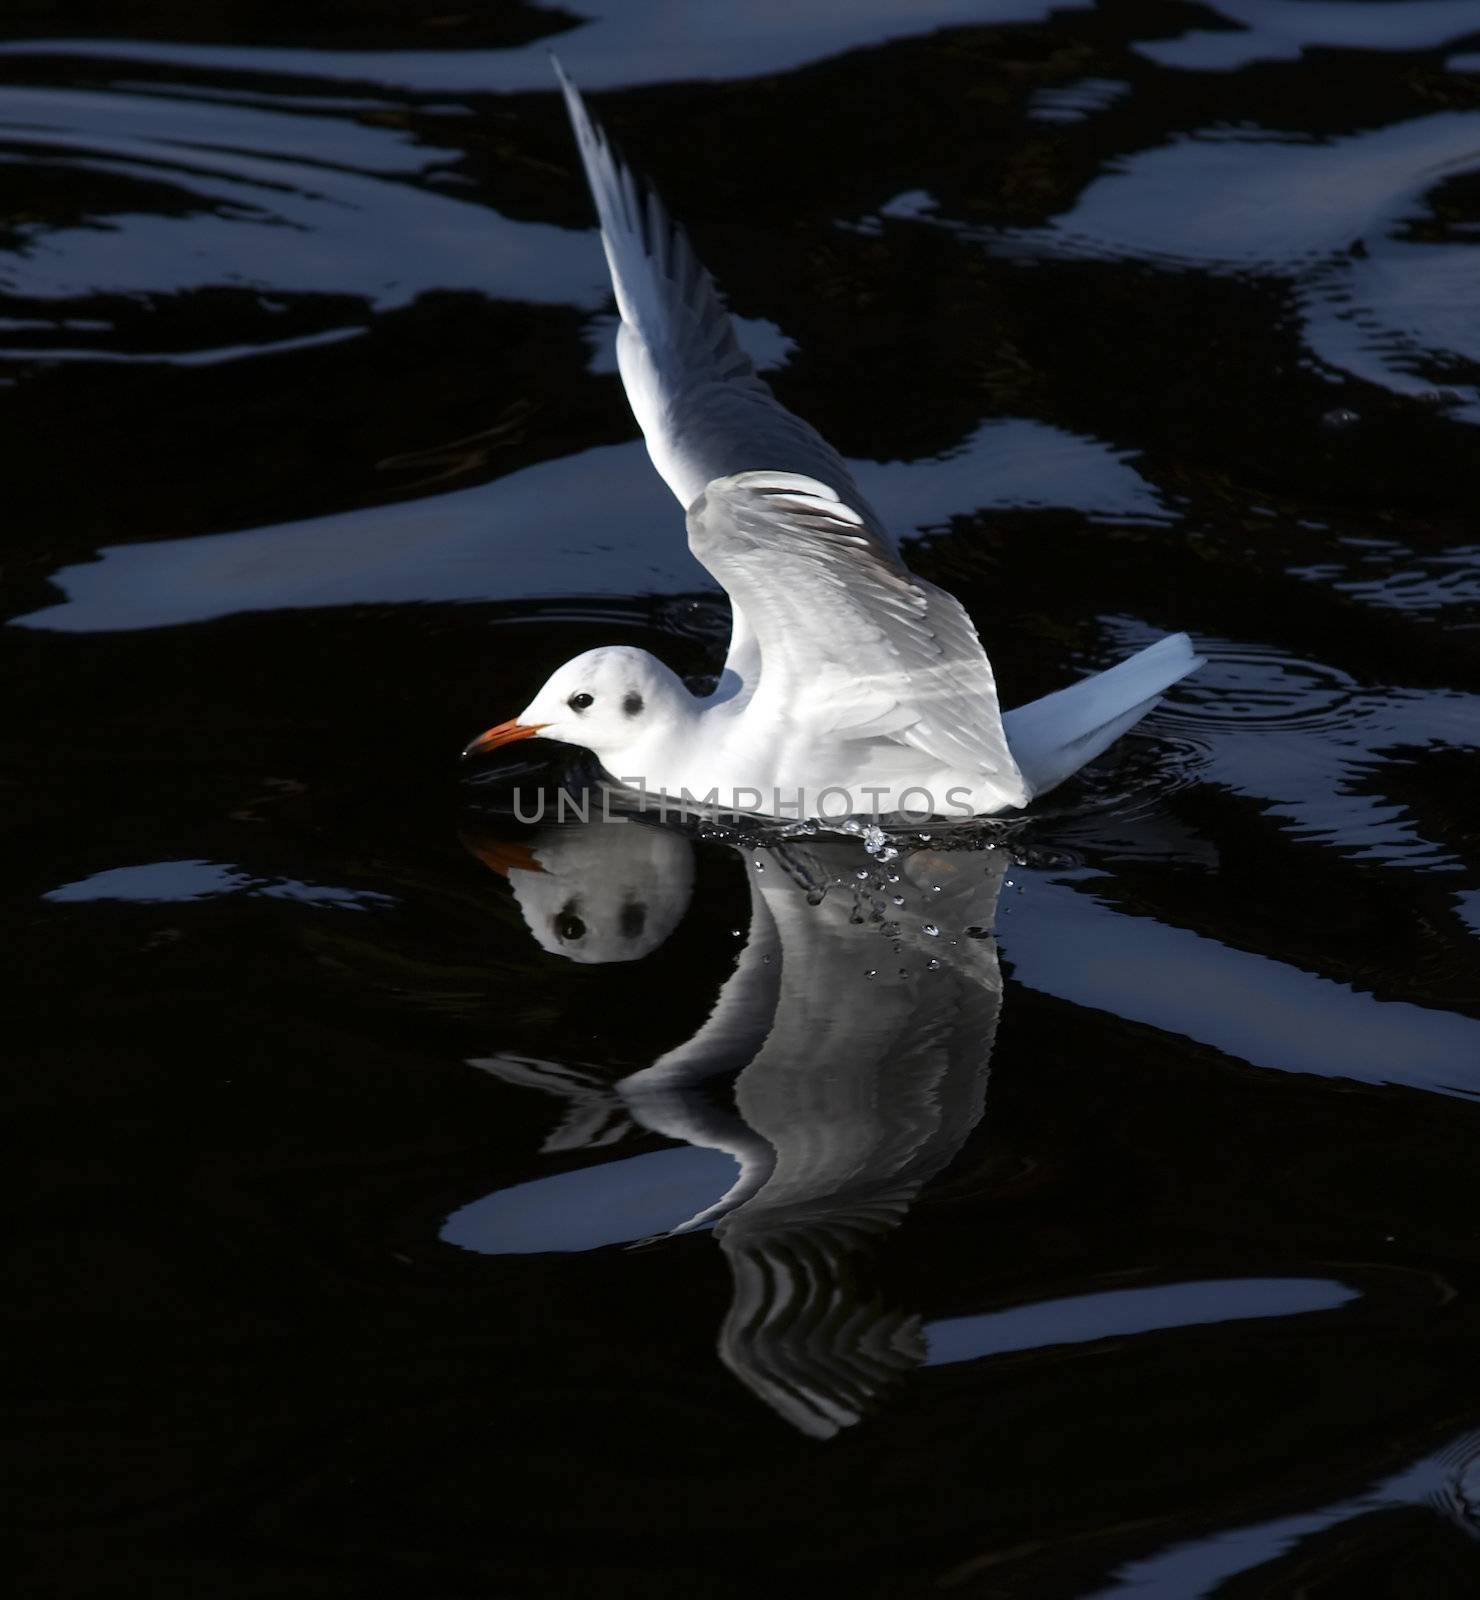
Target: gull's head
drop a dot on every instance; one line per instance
(609, 701)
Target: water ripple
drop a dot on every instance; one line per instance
(175, 194)
(1386, 573)
(1384, 274)
(606, 50)
(1280, 30)
(1308, 743)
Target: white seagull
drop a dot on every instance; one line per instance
(851, 687)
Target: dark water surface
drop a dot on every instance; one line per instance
(414, 1204)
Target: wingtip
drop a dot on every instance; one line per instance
(567, 87)
(581, 119)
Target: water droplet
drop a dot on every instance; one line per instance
(1009, 883)
(898, 899)
(935, 888)
(1341, 418)
(734, 933)
(931, 929)
(870, 972)
(932, 965)
(862, 872)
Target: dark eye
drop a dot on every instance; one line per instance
(569, 927)
(579, 702)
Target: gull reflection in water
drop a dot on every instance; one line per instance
(842, 1067)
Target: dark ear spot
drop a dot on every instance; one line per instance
(633, 703)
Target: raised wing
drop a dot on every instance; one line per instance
(843, 627)
(813, 592)
(695, 393)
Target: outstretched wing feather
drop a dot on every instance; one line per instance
(696, 395)
(842, 624)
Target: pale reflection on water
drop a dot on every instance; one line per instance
(606, 526)
(843, 1066)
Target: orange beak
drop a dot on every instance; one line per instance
(502, 855)
(504, 733)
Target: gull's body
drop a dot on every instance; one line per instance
(846, 675)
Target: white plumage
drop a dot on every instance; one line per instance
(851, 686)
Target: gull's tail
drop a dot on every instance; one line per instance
(1054, 737)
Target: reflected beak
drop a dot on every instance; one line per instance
(502, 855)
(504, 733)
